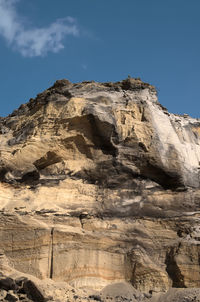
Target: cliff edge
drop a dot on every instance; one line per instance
(100, 184)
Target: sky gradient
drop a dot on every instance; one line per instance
(158, 41)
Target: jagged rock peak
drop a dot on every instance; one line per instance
(126, 84)
(68, 89)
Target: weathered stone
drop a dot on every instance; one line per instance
(101, 185)
(32, 291)
(7, 284)
(11, 297)
(3, 294)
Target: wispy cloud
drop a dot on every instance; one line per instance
(34, 41)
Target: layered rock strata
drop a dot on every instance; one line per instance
(100, 184)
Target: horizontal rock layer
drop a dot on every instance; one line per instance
(100, 184)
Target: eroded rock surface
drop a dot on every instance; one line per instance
(100, 185)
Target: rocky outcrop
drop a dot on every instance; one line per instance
(100, 184)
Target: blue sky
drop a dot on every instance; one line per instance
(45, 40)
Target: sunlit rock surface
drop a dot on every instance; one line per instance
(100, 185)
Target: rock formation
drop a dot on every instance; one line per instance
(100, 184)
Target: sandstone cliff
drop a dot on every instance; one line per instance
(101, 184)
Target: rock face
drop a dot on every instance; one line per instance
(100, 184)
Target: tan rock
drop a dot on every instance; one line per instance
(100, 185)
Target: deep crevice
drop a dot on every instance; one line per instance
(51, 263)
(173, 270)
(97, 131)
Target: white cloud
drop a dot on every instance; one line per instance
(34, 41)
